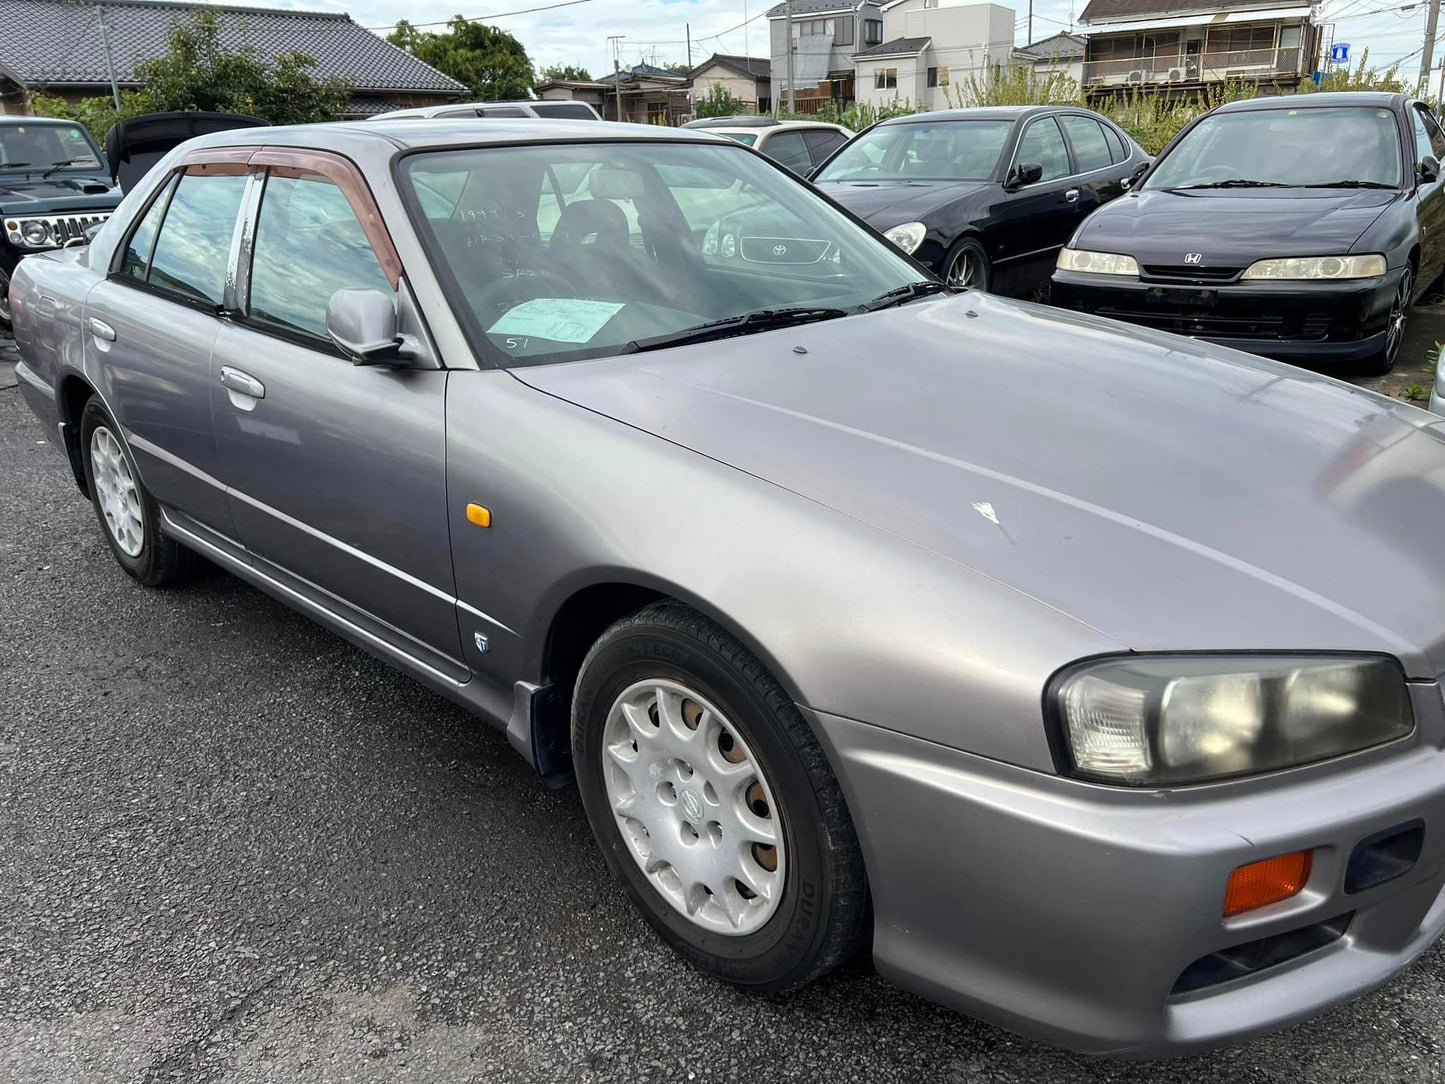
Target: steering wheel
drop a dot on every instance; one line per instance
(506, 293)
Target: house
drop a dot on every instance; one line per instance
(932, 51)
(746, 78)
(647, 94)
(1062, 52)
(826, 34)
(1182, 45)
(57, 47)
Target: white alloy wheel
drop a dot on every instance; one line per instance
(694, 807)
(116, 492)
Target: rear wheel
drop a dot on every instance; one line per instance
(713, 802)
(4, 303)
(128, 515)
(968, 267)
(1395, 323)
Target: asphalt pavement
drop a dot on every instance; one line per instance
(233, 847)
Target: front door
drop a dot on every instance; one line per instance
(1429, 196)
(337, 471)
(1035, 220)
(154, 321)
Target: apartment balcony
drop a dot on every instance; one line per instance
(1160, 72)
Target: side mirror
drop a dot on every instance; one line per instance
(1026, 173)
(1429, 168)
(1134, 178)
(362, 323)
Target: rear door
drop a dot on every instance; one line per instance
(337, 471)
(1098, 178)
(150, 328)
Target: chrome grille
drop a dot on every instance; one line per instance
(60, 228)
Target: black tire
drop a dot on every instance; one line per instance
(1399, 316)
(819, 920)
(968, 252)
(161, 561)
(5, 328)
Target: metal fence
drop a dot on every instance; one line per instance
(1217, 67)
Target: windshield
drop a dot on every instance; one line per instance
(563, 252)
(46, 146)
(1297, 148)
(953, 150)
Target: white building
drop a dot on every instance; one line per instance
(931, 50)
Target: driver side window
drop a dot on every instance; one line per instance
(309, 244)
(1043, 143)
(1429, 140)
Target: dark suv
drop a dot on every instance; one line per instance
(54, 185)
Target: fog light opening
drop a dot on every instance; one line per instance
(1260, 884)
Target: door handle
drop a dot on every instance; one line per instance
(101, 330)
(1072, 195)
(245, 383)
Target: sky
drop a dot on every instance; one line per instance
(655, 30)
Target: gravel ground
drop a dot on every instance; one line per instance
(233, 847)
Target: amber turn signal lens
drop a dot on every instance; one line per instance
(1261, 883)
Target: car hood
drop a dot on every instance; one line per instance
(1171, 494)
(884, 204)
(29, 194)
(1232, 227)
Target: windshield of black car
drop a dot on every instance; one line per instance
(950, 150)
(46, 146)
(563, 252)
(1294, 147)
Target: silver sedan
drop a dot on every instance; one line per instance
(1087, 675)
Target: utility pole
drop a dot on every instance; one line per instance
(789, 46)
(1031, 23)
(1429, 54)
(110, 57)
(616, 42)
(688, 28)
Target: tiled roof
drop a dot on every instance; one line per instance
(649, 70)
(59, 41)
(1057, 47)
(1101, 10)
(896, 47)
(750, 67)
(807, 7)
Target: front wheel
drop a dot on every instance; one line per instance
(968, 267)
(713, 802)
(4, 303)
(1395, 323)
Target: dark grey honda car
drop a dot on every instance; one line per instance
(1301, 228)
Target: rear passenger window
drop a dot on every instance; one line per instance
(193, 250)
(137, 259)
(1117, 150)
(789, 149)
(571, 110)
(823, 142)
(1090, 150)
(504, 111)
(309, 244)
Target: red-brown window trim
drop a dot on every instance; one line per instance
(296, 162)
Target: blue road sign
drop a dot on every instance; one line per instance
(1340, 54)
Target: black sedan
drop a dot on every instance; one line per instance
(1301, 228)
(985, 197)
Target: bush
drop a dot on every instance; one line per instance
(719, 102)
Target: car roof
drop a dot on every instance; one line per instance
(8, 120)
(422, 133)
(980, 112)
(432, 110)
(1375, 98)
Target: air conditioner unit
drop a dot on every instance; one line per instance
(1176, 75)
(1135, 76)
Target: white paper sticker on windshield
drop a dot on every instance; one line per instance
(561, 319)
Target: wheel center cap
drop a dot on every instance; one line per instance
(692, 806)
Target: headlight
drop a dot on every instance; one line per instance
(729, 245)
(1098, 263)
(1151, 720)
(1317, 267)
(36, 234)
(908, 236)
(709, 241)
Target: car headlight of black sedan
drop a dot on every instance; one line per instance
(1147, 720)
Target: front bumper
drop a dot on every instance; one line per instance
(1291, 321)
(1069, 912)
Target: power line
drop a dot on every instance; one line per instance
(706, 37)
(482, 18)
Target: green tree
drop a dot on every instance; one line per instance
(719, 102)
(558, 72)
(493, 64)
(677, 68)
(199, 72)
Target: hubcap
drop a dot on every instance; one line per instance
(116, 492)
(963, 273)
(1399, 311)
(693, 806)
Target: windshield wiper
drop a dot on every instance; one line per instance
(761, 320)
(907, 292)
(15, 165)
(61, 165)
(1236, 182)
(1347, 184)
